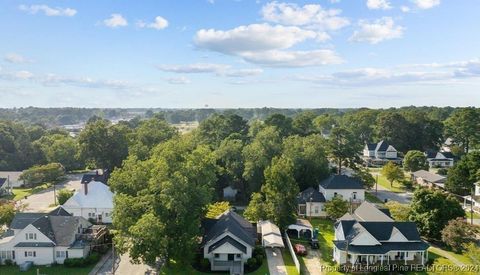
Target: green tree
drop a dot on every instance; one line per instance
(281, 122)
(258, 155)
(324, 123)
(218, 127)
(361, 123)
(364, 175)
(344, 148)
(7, 213)
(231, 163)
(463, 127)
(309, 158)
(255, 210)
(415, 160)
(399, 211)
(392, 172)
(280, 191)
(472, 251)
(336, 207)
(303, 123)
(51, 173)
(458, 233)
(63, 196)
(62, 149)
(395, 129)
(103, 145)
(432, 209)
(216, 209)
(168, 204)
(464, 174)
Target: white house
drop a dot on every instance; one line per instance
(12, 178)
(93, 201)
(425, 178)
(229, 193)
(343, 186)
(228, 242)
(45, 238)
(440, 159)
(468, 201)
(311, 203)
(380, 153)
(370, 237)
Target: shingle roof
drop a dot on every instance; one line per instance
(439, 155)
(59, 211)
(2, 181)
(382, 231)
(369, 212)
(341, 182)
(382, 146)
(98, 196)
(371, 146)
(310, 195)
(43, 225)
(64, 229)
(430, 177)
(34, 244)
(230, 240)
(233, 223)
(21, 220)
(382, 249)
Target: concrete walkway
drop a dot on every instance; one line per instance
(275, 261)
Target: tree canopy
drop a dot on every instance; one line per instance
(415, 160)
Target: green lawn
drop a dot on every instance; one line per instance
(325, 239)
(289, 264)
(52, 270)
(20, 193)
(395, 187)
(371, 198)
(440, 262)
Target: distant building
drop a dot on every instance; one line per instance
(230, 193)
(440, 159)
(377, 154)
(100, 175)
(12, 178)
(429, 179)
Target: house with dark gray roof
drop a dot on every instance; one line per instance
(46, 238)
(228, 242)
(377, 154)
(429, 179)
(440, 159)
(311, 203)
(370, 237)
(343, 186)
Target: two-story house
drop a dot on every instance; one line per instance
(311, 201)
(228, 242)
(93, 201)
(377, 154)
(370, 237)
(440, 159)
(45, 238)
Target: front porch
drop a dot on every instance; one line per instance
(397, 258)
(234, 267)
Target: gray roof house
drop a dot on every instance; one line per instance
(348, 188)
(377, 154)
(440, 159)
(47, 238)
(369, 237)
(228, 242)
(429, 179)
(310, 203)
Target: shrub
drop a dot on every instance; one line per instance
(442, 171)
(407, 184)
(35, 175)
(63, 195)
(204, 264)
(8, 262)
(252, 262)
(82, 262)
(93, 258)
(258, 250)
(259, 259)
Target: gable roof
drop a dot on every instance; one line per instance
(439, 155)
(430, 177)
(98, 196)
(234, 224)
(230, 240)
(64, 229)
(371, 146)
(341, 182)
(382, 146)
(97, 175)
(382, 231)
(2, 181)
(59, 211)
(21, 220)
(369, 212)
(310, 195)
(43, 225)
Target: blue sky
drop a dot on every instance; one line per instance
(239, 53)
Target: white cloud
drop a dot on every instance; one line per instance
(16, 58)
(266, 45)
(16, 75)
(405, 9)
(48, 11)
(194, 68)
(426, 4)
(255, 37)
(178, 80)
(159, 23)
(309, 15)
(378, 4)
(116, 20)
(243, 72)
(377, 31)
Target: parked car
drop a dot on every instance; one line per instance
(300, 249)
(314, 244)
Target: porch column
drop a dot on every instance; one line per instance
(367, 262)
(388, 258)
(381, 260)
(423, 257)
(298, 232)
(405, 257)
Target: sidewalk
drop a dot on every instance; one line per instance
(275, 261)
(101, 265)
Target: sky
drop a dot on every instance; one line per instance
(239, 53)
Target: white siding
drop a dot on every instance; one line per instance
(43, 255)
(364, 238)
(317, 209)
(346, 194)
(87, 213)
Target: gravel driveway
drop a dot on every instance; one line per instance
(312, 262)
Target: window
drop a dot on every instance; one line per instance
(354, 195)
(30, 254)
(60, 254)
(316, 209)
(107, 214)
(239, 256)
(31, 236)
(335, 194)
(217, 255)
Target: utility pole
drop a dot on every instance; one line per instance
(310, 217)
(54, 195)
(471, 205)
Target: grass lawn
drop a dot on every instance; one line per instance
(289, 264)
(325, 239)
(395, 187)
(370, 197)
(440, 262)
(469, 214)
(20, 193)
(189, 270)
(52, 270)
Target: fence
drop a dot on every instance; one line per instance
(294, 256)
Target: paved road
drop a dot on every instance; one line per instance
(122, 266)
(40, 202)
(312, 263)
(384, 193)
(275, 261)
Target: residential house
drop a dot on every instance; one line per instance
(230, 193)
(429, 179)
(12, 178)
(370, 237)
(228, 242)
(377, 154)
(440, 159)
(4, 186)
(348, 188)
(47, 238)
(473, 203)
(93, 201)
(97, 175)
(311, 203)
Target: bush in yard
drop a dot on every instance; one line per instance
(336, 207)
(7, 212)
(259, 259)
(8, 262)
(415, 160)
(407, 184)
(63, 195)
(204, 264)
(252, 263)
(258, 250)
(92, 258)
(37, 174)
(458, 233)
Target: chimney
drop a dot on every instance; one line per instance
(85, 188)
(96, 172)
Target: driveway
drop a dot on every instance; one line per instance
(122, 266)
(40, 202)
(275, 261)
(312, 262)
